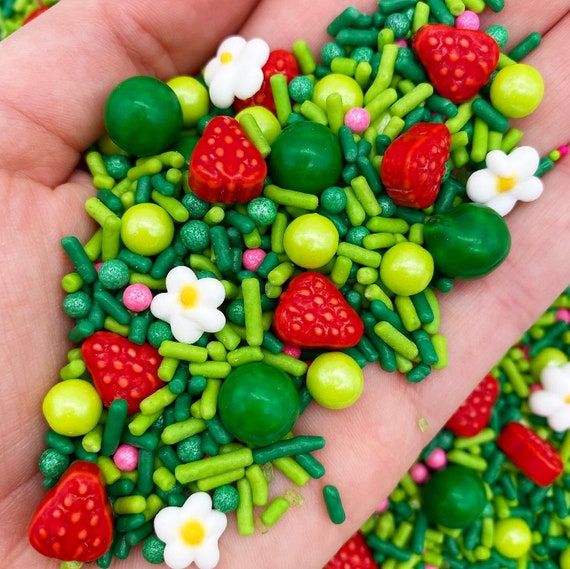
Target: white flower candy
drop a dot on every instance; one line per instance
(191, 533)
(553, 401)
(506, 179)
(190, 305)
(236, 70)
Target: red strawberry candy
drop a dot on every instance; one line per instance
(74, 521)
(225, 166)
(536, 458)
(313, 314)
(121, 369)
(280, 61)
(414, 164)
(475, 412)
(458, 62)
(33, 15)
(354, 554)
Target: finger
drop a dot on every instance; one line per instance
(58, 71)
(522, 17)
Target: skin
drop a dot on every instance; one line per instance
(55, 76)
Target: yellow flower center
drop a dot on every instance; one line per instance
(193, 533)
(189, 296)
(567, 399)
(226, 57)
(505, 184)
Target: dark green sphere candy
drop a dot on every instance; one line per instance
(454, 497)
(114, 274)
(467, 242)
(153, 550)
(226, 499)
(143, 116)
(258, 404)
(190, 449)
(158, 332)
(52, 463)
(77, 304)
(262, 211)
(306, 157)
(195, 235)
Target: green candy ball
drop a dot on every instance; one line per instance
(77, 304)
(306, 157)
(565, 559)
(348, 89)
(117, 166)
(262, 211)
(52, 463)
(143, 116)
(467, 242)
(333, 200)
(499, 33)
(195, 235)
(196, 207)
(158, 332)
(265, 119)
(517, 90)
(513, 538)
(546, 357)
(147, 229)
(356, 235)
(454, 497)
(399, 24)
(236, 312)
(258, 404)
(193, 98)
(190, 449)
(153, 550)
(406, 269)
(225, 499)
(331, 50)
(114, 274)
(301, 89)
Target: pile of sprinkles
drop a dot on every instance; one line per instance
(266, 230)
(16, 13)
(492, 489)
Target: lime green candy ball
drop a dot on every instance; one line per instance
(517, 90)
(311, 240)
(513, 538)
(406, 269)
(265, 119)
(335, 380)
(72, 408)
(548, 356)
(348, 89)
(193, 98)
(565, 559)
(147, 229)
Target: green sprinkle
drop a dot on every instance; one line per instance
(275, 511)
(334, 505)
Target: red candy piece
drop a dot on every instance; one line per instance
(458, 62)
(280, 61)
(414, 164)
(475, 412)
(536, 458)
(35, 14)
(354, 554)
(225, 166)
(74, 521)
(121, 369)
(313, 314)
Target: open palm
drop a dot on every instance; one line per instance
(56, 74)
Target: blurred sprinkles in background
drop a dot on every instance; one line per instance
(319, 280)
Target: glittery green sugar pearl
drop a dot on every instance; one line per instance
(77, 304)
(114, 274)
(331, 50)
(195, 235)
(262, 211)
(499, 34)
(153, 550)
(301, 89)
(333, 199)
(158, 332)
(190, 449)
(399, 24)
(195, 206)
(52, 463)
(226, 499)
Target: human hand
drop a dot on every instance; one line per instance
(56, 75)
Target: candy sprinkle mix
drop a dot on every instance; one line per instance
(264, 232)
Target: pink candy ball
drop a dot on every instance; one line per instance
(535, 387)
(137, 297)
(357, 119)
(401, 43)
(292, 350)
(126, 458)
(437, 459)
(563, 315)
(467, 21)
(97, 266)
(563, 150)
(419, 473)
(382, 506)
(252, 258)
